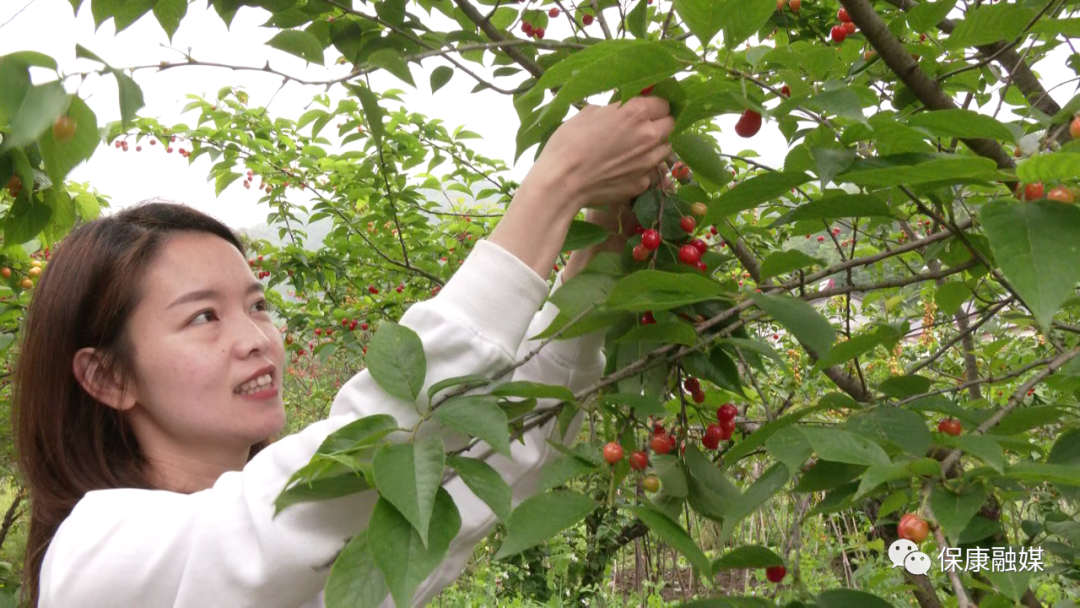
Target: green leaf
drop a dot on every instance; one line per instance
(1050, 167)
(783, 262)
(1066, 448)
(355, 580)
(396, 361)
(950, 296)
(409, 475)
(402, 556)
(131, 98)
(898, 426)
(831, 162)
(304, 45)
(470, 381)
(582, 235)
(799, 318)
(14, 84)
(961, 123)
(562, 470)
(954, 511)
(709, 493)
(321, 479)
(947, 168)
(673, 534)
(1070, 28)
(637, 64)
(900, 387)
(744, 18)
(704, 18)
(440, 76)
(643, 405)
(525, 388)
(392, 61)
(753, 192)
(983, 447)
(372, 112)
(479, 416)
(717, 367)
(989, 23)
(657, 290)
(826, 475)
(1012, 584)
(36, 113)
(701, 155)
(358, 433)
(169, 14)
(927, 15)
(670, 332)
(850, 598)
(844, 446)
(542, 516)
(1036, 245)
(223, 180)
(845, 351)
(1036, 472)
(836, 206)
(840, 102)
(1027, 418)
(763, 488)
(747, 556)
(671, 473)
(637, 20)
(25, 220)
(485, 482)
(765, 431)
(123, 12)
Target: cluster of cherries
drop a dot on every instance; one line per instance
(844, 29)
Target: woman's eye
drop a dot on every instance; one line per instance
(206, 314)
(261, 306)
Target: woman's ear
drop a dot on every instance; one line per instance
(96, 379)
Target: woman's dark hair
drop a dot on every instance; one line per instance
(68, 442)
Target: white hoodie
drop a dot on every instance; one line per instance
(132, 548)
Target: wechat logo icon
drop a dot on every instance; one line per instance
(905, 554)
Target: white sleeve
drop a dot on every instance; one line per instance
(222, 546)
(576, 364)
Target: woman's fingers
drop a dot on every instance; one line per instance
(654, 108)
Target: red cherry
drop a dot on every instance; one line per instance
(687, 223)
(775, 574)
(553, 13)
(526, 28)
(539, 33)
(843, 16)
(586, 19)
(1060, 194)
(1074, 128)
(640, 253)
(711, 438)
(838, 33)
(647, 90)
(613, 452)
(639, 461)
(1030, 192)
(698, 396)
(352, 325)
(651, 239)
(950, 426)
(661, 444)
(692, 385)
(688, 254)
(700, 265)
(700, 244)
(821, 239)
(344, 322)
(647, 318)
(785, 91)
(913, 528)
(727, 427)
(364, 326)
(849, 27)
(726, 412)
(749, 124)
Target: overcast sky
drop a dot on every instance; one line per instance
(51, 27)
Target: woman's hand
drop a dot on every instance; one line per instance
(603, 156)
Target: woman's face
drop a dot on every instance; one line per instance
(208, 358)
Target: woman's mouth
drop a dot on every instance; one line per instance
(255, 386)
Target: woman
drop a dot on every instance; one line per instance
(149, 383)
